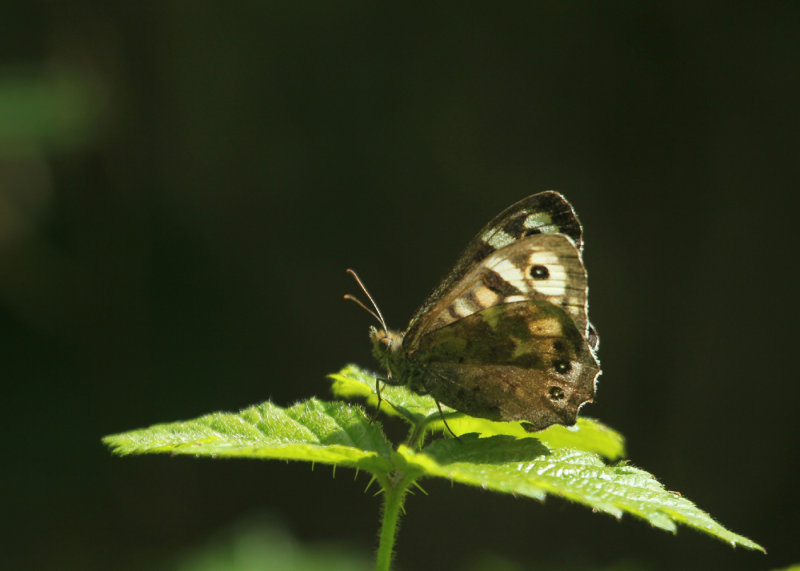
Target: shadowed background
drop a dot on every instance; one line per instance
(182, 187)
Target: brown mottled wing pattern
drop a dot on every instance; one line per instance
(511, 340)
(543, 213)
(506, 336)
(524, 360)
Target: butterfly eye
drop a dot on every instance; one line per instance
(540, 272)
(556, 393)
(562, 367)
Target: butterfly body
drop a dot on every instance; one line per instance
(506, 335)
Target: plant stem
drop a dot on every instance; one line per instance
(416, 436)
(394, 493)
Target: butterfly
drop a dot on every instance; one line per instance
(506, 335)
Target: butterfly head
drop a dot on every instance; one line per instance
(385, 341)
(387, 348)
(386, 344)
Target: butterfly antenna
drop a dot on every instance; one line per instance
(360, 303)
(377, 313)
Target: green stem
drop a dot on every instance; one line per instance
(394, 493)
(416, 436)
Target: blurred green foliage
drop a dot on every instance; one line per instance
(59, 111)
(259, 543)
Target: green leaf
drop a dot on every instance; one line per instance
(312, 430)
(354, 382)
(587, 434)
(500, 456)
(525, 466)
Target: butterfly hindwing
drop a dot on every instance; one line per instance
(524, 360)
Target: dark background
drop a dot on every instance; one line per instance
(182, 186)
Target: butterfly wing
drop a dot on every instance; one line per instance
(542, 213)
(524, 360)
(509, 341)
(542, 266)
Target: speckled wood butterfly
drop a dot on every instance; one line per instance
(506, 335)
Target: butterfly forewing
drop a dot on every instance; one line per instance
(544, 266)
(543, 213)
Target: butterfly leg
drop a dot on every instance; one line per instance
(377, 406)
(447, 426)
